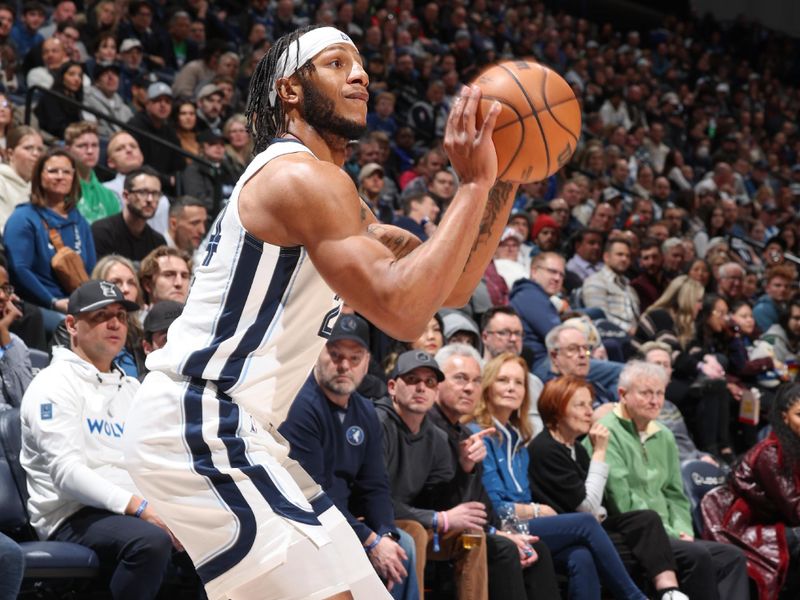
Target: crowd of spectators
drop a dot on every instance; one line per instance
(671, 236)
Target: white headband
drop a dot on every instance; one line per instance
(310, 44)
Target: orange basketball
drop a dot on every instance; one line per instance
(538, 127)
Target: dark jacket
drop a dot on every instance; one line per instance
(753, 512)
(556, 479)
(342, 450)
(466, 487)
(419, 464)
(538, 316)
(163, 159)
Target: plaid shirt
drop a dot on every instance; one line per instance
(614, 294)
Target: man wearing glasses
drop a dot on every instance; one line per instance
(421, 470)
(128, 233)
(569, 352)
(73, 417)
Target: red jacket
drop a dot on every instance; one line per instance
(752, 512)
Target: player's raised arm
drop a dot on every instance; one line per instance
(319, 209)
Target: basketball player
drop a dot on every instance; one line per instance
(293, 242)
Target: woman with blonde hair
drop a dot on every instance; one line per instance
(580, 547)
(671, 318)
(238, 142)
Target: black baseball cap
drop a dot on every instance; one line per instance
(161, 316)
(415, 359)
(350, 327)
(96, 294)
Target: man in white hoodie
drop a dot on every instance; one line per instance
(73, 417)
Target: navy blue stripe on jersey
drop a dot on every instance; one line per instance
(285, 270)
(223, 484)
(246, 265)
(237, 457)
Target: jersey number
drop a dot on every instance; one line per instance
(327, 323)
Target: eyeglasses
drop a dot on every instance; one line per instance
(553, 272)
(507, 333)
(8, 289)
(58, 171)
(151, 194)
(412, 380)
(461, 380)
(575, 350)
(103, 316)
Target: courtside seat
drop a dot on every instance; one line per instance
(43, 560)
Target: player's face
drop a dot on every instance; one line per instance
(461, 388)
(415, 391)
(341, 367)
(335, 95)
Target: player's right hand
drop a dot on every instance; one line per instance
(467, 515)
(387, 558)
(469, 144)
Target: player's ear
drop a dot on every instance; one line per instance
(288, 90)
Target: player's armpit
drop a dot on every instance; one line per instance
(399, 241)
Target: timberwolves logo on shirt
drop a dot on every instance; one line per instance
(355, 435)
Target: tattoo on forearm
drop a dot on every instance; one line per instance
(399, 244)
(497, 198)
(363, 212)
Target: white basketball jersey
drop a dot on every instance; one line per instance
(257, 315)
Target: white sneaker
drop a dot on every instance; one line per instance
(674, 595)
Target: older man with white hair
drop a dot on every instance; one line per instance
(644, 472)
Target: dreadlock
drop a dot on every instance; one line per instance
(267, 122)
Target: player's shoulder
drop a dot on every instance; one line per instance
(301, 176)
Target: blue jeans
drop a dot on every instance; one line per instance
(408, 589)
(581, 548)
(12, 568)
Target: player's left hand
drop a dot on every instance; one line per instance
(469, 144)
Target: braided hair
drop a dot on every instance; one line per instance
(788, 395)
(266, 122)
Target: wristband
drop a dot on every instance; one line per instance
(537, 510)
(435, 523)
(491, 530)
(141, 508)
(370, 547)
(445, 522)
